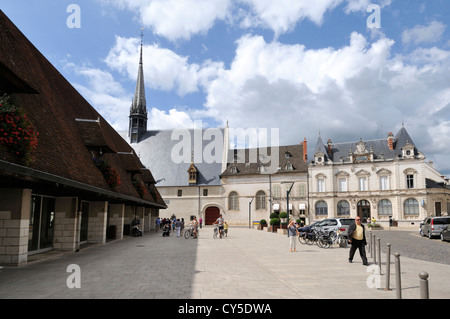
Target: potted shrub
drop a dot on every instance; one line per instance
(283, 218)
(274, 224)
(262, 224)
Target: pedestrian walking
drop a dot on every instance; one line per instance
(225, 228)
(158, 224)
(178, 227)
(357, 238)
(200, 221)
(292, 233)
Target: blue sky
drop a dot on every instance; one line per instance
(299, 66)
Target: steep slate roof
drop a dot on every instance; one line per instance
(379, 147)
(155, 152)
(248, 165)
(55, 111)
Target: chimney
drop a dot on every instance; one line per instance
(329, 147)
(305, 150)
(390, 141)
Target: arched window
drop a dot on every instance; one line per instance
(343, 208)
(233, 202)
(321, 208)
(260, 200)
(411, 207)
(385, 207)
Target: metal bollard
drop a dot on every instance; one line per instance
(398, 276)
(388, 267)
(374, 250)
(379, 255)
(424, 291)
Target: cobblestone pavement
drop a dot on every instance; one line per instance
(249, 264)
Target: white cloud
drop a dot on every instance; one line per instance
(163, 69)
(176, 19)
(181, 19)
(282, 16)
(423, 34)
(359, 90)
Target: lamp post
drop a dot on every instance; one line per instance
(250, 211)
(287, 201)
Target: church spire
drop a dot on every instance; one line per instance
(138, 111)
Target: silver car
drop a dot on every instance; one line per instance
(433, 226)
(335, 224)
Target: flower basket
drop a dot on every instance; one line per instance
(140, 187)
(110, 174)
(17, 135)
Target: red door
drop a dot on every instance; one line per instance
(211, 215)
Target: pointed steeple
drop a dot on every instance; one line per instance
(138, 111)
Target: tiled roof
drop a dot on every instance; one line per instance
(290, 160)
(69, 127)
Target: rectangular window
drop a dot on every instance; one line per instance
(363, 183)
(321, 185)
(205, 192)
(342, 184)
(180, 192)
(384, 183)
(302, 190)
(409, 181)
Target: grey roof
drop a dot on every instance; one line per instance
(380, 147)
(255, 160)
(155, 152)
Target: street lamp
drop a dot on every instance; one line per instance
(287, 200)
(250, 210)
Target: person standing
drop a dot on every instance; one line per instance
(357, 238)
(178, 227)
(292, 233)
(200, 220)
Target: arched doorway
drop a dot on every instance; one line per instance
(211, 215)
(363, 210)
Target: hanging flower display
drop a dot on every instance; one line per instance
(17, 134)
(110, 174)
(140, 187)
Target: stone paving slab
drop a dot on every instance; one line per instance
(249, 264)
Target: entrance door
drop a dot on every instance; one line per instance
(211, 215)
(364, 210)
(84, 222)
(42, 219)
(437, 208)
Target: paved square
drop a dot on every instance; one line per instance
(249, 264)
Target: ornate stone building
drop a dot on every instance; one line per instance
(387, 179)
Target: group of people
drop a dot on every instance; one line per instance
(176, 224)
(356, 237)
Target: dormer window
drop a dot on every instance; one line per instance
(193, 173)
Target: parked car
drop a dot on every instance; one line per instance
(445, 234)
(335, 224)
(433, 226)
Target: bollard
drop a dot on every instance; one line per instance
(374, 250)
(424, 291)
(398, 276)
(379, 255)
(388, 267)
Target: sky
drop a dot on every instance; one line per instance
(344, 69)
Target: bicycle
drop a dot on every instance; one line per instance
(189, 233)
(326, 239)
